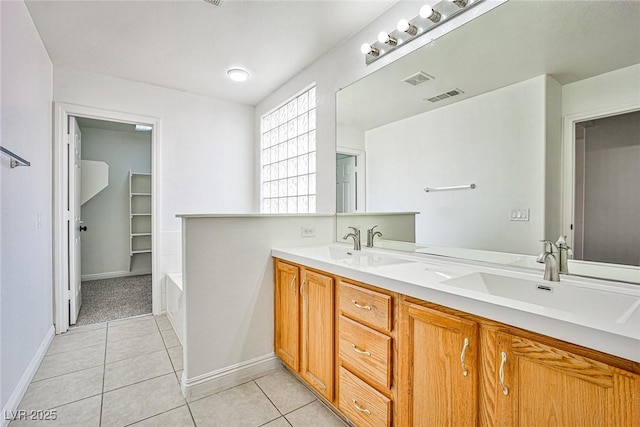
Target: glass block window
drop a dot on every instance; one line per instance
(288, 147)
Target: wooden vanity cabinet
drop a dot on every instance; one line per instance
(541, 385)
(437, 369)
(317, 332)
(287, 314)
(304, 324)
(384, 359)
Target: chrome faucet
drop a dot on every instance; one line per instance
(549, 257)
(356, 238)
(371, 235)
(564, 252)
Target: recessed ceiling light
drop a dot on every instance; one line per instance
(238, 75)
(143, 128)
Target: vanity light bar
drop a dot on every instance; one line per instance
(408, 30)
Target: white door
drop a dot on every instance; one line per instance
(346, 183)
(75, 222)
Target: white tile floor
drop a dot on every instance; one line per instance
(127, 372)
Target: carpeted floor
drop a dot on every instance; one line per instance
(111, 299)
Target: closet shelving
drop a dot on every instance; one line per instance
(139, 214)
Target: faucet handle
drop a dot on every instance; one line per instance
(356, 231)
(549, 246)
(371, 229)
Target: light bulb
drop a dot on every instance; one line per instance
(367, 49)
(384, 37)
(403, 25)
(427, 12)
(238, 75)
(406, 27)
(460, 3)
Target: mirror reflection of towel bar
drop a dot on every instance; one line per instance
(455, 187)
(15, 159)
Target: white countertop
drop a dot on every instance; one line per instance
(597, 314)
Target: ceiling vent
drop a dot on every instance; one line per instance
(418, 78)
(448, 94)
(214, 2)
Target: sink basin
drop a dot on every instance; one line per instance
(362, 259)
(594, 303)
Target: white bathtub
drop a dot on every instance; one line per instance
(175, 303)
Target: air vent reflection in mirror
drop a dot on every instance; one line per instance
(445, 95)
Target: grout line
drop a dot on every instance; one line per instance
(303, 406)
(268, 398)
(191, 413)
(138, 382)
(66, 373)
(220, 391)
(153, 416)
(104, 372)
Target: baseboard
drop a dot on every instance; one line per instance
(113, 275)
(229, 376)
(21, 388)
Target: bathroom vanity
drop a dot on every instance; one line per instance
(389, 338)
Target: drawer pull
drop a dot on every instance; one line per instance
(357, 350)
(364, 307)
(355, 405)
(464, 351)
(505, 389)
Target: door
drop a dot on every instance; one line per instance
(287, 314)
(538, 385)
(75, 222)
(318, 332)
(346, 183)
(438, 370)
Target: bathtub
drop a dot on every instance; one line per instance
(175, 303)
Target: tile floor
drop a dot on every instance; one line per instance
(127, 372)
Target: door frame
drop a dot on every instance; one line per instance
(568, 157)
(361, 183)
(60, 192)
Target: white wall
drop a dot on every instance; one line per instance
(206, 147)
(228, 289)
(26, 313)
(105, 244)
(616, 89)
(496, 140)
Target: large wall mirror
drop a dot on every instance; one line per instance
(536, 104)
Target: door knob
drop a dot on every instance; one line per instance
(83, 228)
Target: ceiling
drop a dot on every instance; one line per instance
(106, 125)
(516, 41)
(190, 44)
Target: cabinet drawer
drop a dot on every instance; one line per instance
(365, 351)
(362, 404)
(369, 307)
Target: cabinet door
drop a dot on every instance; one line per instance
(438, 368)
(538, 385)
(287, 314)
(318, 332)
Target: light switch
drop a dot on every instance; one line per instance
(520, 214)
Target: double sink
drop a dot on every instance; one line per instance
(598, 302)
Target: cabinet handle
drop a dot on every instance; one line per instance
(291, 285)
(364, 307)
(357, 350)
(464, 351)
(355, 404)
(304, 282)
(505, 389)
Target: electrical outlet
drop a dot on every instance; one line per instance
(307, 231)
(519, 214)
